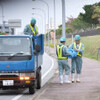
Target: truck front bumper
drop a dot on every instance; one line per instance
(17, 83)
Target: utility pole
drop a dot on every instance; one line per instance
(3, 23)
(51, 28)
(54, 27)
(63, 19)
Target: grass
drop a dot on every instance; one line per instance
(91, 44)
(51, 45)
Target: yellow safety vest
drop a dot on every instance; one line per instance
(80, 45)
(59, 52)
(33, 29)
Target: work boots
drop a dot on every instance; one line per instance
(73, 78)
(61, 79)
(78, 78)
(67, 79)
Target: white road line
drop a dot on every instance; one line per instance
(17, 97)
(44, 75)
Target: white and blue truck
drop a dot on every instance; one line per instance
(21, 58)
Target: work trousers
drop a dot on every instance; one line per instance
(63, 65)
(76, 65)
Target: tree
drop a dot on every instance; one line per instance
(2, 33)
(59, 31)
(69, 23)
(87, 16)
(52, 30)
(96, 13)
(79, 24)
(68, 30)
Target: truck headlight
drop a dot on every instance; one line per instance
(27, 76)
(24, 78)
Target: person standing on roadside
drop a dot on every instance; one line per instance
(62, 53)
(76, 63)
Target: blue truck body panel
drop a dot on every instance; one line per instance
(17, 65)
(24, 65)
(40, 41)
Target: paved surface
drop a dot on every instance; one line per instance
(48, 70)
(88, 89)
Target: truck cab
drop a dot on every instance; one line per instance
(21, 58)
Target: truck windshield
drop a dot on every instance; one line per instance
(10, 46)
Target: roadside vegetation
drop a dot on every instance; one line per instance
(91, 43)
(86, 21)
(2, 33)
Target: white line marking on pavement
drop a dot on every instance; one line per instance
(17, 97)
(44, 75)
(50, 67)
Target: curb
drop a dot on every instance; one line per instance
(43, 89)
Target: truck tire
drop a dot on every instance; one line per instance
(38, 77)
(32, 89)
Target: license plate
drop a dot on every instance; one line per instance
(8, 82)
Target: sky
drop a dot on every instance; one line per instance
(22, 9)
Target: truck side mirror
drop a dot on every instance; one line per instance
(37, 48)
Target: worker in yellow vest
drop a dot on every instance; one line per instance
(77, 61)
(62, 53)
(31, 29)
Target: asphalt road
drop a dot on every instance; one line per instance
(48, 69)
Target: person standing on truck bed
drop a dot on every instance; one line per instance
(31, 29)
(62, 53)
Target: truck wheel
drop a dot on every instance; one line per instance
(32, 89)
(38, 75)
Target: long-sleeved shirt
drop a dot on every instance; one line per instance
(77, 46)
(28, 30)
(65, 52)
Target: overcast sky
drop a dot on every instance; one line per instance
(22, 9)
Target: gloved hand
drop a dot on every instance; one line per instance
(73, 53)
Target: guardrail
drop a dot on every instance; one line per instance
(98, 53)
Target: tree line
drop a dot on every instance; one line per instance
(87, 20)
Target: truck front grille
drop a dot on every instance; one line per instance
(5, 77)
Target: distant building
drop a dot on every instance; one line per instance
(8, 30)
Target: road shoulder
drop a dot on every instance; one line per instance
(88, 89)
